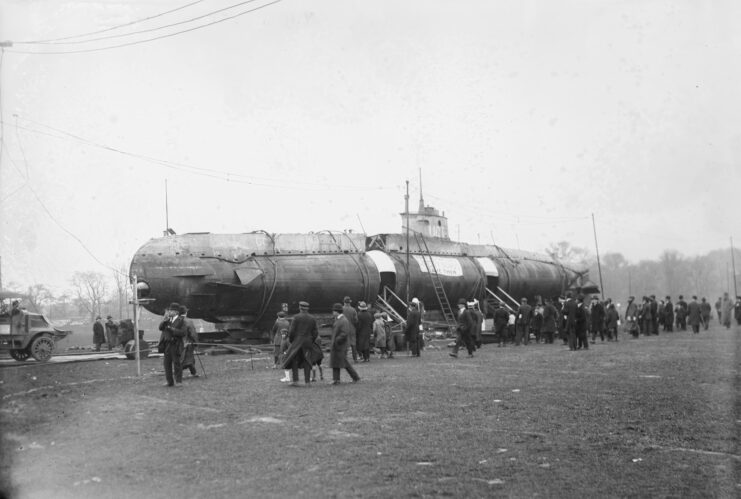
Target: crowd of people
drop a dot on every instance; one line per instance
(574, 320)
(571, 318)
(360, 330)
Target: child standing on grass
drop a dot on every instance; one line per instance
(379, 332)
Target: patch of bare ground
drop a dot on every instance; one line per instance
(652, 417)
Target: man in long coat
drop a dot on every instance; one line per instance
(173, 331)
(694, 315)
(501, 318)
(631, 317)
(522, 323)
(669, 315)
(352, 316)
(597, 317)
(465, 328)
(726, 309)
(98, 333)
(681, 314)
(550, 318)
(411, 329)
(706, 310)
(654, 315)
(338, 346)
(301, 335)
(365, 329)
(188, 357)
(569, 315)
(580, 324)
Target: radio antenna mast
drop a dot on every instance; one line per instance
(167, 213)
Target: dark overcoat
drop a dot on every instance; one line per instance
(98, 333)
(669, 313)
(191, 337)
(414, 318)
(550, 315)
(339, 342)
(501, 318)
(365, 328)
(694, 314)
(598, 316)
(302, 333)
(569, 313)
(352, 316)
(611, 318)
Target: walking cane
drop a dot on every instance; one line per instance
(201, 363)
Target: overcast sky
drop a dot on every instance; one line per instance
(525, 117)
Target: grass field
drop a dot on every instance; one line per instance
(652, 417)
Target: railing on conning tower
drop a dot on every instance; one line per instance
(437, 283)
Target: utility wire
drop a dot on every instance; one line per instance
(149, 30)
(57, 52)
(206, 172)
(105, 30)
(59, 224)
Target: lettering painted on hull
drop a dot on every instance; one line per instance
(445, 265)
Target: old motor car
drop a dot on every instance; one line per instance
(26, 334)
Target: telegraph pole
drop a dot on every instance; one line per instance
(406, 212)
(136, 326)
(599, 266)
(733, 262)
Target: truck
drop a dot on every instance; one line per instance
(26, 334)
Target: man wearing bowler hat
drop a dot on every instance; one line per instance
(173, 332)
(301, 334)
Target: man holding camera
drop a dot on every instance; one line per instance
(173, 331)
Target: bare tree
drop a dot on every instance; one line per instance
(121, 280)
(90, 288)
(673, 267)
(567, 254)
(37, 295)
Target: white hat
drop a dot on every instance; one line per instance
(415, 300)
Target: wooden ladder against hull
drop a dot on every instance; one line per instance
(437, 283)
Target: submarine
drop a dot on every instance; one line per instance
(240, 281)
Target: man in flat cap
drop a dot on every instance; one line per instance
(301, 334)
(173, 332)
(352, 316)
(338, 346)
(464, 329)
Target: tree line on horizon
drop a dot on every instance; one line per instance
(672, 274)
